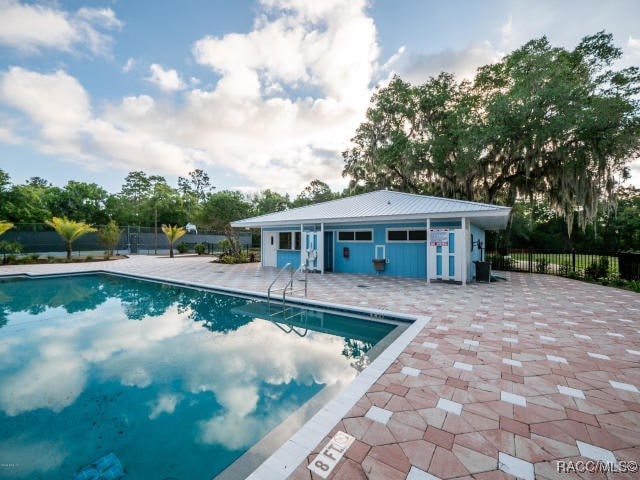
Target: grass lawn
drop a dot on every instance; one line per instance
(582, 260)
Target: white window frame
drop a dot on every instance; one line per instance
(405, 229)
(354, 230)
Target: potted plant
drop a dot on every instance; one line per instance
(379, 264)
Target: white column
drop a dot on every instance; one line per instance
(303, 254)
(261, 247)
(465, 250)
(427, 252)
(321, 248)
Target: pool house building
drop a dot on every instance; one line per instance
(381, 232)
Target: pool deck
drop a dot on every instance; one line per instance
(509, 379)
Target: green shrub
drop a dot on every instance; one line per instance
(10, 259)
(200, 248)
(232, 259)
(542, 265)
(89, 258)
(182, 247)
(635, 285)
(109, 237)
(597, 269)
(616, 281)
(9, 251)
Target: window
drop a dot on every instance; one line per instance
(355, 236)
(285, 241)
(407, 235)
(290, 240)
(397, 236)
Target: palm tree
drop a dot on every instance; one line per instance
(4, 226)
(173, 233)
(69, 230)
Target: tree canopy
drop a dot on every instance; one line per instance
(557, 125)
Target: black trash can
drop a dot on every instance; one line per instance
(483, 271)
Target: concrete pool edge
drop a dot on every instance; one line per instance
(295, 450)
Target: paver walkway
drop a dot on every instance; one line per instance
(509, 379)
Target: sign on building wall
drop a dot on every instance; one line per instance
(439, 237)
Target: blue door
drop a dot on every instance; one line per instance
(328, 251)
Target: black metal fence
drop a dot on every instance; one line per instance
(593, 265)
(42, 239)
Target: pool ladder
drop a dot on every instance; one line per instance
(285, 312)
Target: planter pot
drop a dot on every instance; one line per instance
(379, 264)
(483, 271)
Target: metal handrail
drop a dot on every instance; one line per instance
(288, 285)
(276, 279)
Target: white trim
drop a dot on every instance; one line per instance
(500, 212)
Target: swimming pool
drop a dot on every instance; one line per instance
(177, 382)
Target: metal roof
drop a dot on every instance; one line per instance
(384, 205)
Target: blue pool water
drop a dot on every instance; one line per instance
(177, 382)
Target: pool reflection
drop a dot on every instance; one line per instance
(177, 382)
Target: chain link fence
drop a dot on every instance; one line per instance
(40, 238)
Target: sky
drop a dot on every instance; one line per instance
(259, 94)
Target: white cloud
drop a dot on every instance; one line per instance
(506, 31)
(128, 66)
(57, 103)
(31, 28)
(166, 80)
(417, 68)
(8, 136)
(631, 55)
(287, 98)
(165, 403)
(60, 110)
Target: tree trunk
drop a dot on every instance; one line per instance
(68, 250)
(170, 249)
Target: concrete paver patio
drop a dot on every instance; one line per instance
(513, 378)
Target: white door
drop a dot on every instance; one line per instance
(445, 260)
(269, 249)
(310, 247)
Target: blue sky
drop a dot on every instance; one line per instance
(260, 94)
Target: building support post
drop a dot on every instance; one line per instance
(465, 251)
(321, 248)
(303, 251)
(427, 251)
